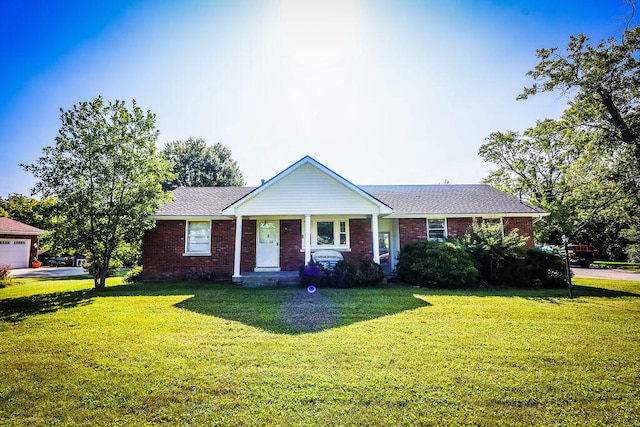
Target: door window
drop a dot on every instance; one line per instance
(383, 242)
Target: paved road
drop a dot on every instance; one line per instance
(605, 273)
(47, 272)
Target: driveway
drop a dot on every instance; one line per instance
(605, 273)
(47, 272)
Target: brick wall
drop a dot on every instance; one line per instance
(164, 245)
(291, 244)
(412, 230)
(248, 253)
(457, 227)
(524, 226)
(361, 243)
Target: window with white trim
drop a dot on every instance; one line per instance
(198, 239)
(330, 233)
(436, 228)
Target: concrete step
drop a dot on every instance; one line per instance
(279, 278)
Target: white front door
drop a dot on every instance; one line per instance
(268, 245)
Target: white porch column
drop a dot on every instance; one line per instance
(238, 250)
(307, 239)
(376, 241)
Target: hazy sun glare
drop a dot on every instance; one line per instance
(317, 34)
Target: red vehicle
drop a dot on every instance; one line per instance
(580, 254)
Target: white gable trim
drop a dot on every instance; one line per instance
(382, 207)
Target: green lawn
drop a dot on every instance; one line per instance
(619, 265)
(215, 354)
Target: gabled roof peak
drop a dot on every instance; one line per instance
(306, 160)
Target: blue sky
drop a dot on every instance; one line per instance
(382, 92)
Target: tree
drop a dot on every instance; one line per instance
(557, 168)
(492, 252)
(197, 164)
(603, 83)
(34, 212)
(583, 168)
(105, 175)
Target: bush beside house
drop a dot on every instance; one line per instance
(482, 256)
(343, 274)
(435, 263)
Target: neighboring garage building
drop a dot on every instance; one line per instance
(18, 243)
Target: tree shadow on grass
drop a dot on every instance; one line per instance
(283, 310)
(296, 311)
(17, 309)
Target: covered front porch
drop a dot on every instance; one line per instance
(306, 207)
(284, 244)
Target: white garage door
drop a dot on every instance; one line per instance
(14, 253)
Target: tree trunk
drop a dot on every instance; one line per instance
(627, 134)
(100, 271)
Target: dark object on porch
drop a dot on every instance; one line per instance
(327, 258)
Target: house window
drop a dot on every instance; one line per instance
(198, 239)
(436, 229)
(325, 233)
(494, 221)
(330, 233)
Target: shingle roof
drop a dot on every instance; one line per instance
(10, 226)
(449, 199)
(202, 201)
(404, 199)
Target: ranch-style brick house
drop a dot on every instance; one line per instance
(231, 231)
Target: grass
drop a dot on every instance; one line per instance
(619, 265)
(214, 354)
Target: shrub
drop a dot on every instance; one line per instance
(496, 257)
(369, 273)
(342, 275)
(4, 275)
(311, 274)
(543, 269)
(633, 253)
(435, 263)
(199, 274)
(134, 275)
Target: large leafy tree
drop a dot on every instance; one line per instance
(105, 175)
(603, 84)
(584, 168)
(557, 168)
(197, 164)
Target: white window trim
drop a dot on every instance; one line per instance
(336, 234)
(186, 239)
(446, 234)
